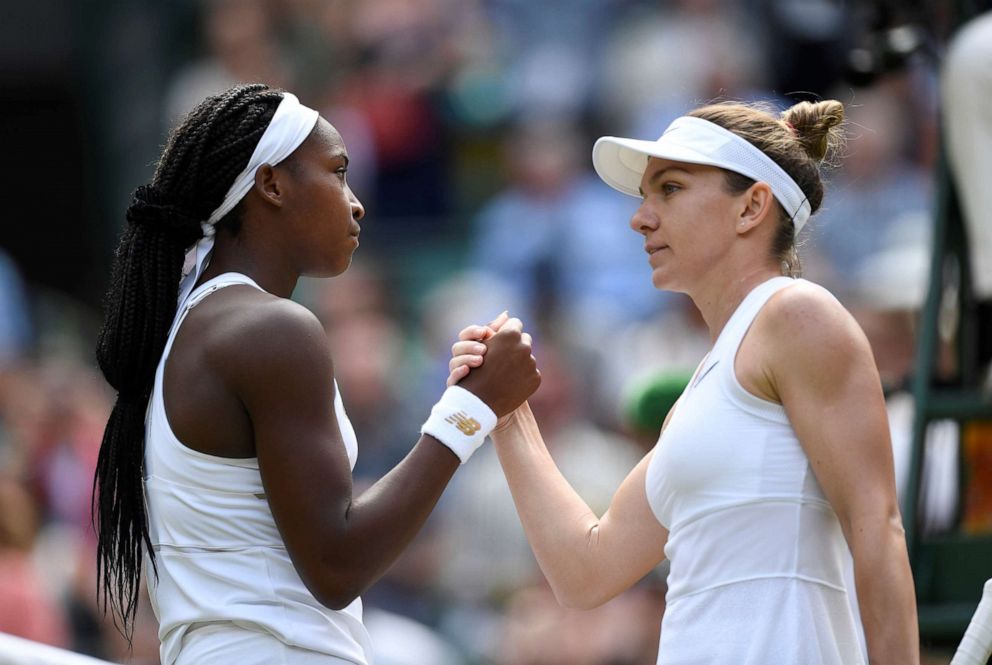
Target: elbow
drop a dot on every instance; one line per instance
(579, 596)
(577, 602)
(333, 591)
(875, 532)
(896, 523)
(338, 602)
(336, 597)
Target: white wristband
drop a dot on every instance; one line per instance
(461, 421)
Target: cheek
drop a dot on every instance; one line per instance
(711, 224)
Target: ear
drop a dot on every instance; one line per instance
(268, 184)
(757, 205)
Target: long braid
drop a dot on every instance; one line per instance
(199, 163)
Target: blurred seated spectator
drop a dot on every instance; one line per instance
(672, 343)
(239, 47)
(648, 402)
(660, 58)
(403, 641)
(880, 193)
(537, 630)
(370, 363)
(27, 607)
(63, 441)
(559, 238)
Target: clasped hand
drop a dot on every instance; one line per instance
(495, 362)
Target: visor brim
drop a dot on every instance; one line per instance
(621, 162)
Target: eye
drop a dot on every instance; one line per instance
(670, 188)
(342, 171)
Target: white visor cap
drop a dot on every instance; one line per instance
(621, 162)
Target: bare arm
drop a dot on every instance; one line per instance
(834, 400)
(340, 545)
(587, 560)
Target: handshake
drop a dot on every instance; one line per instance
(496, 373)
(495, 362)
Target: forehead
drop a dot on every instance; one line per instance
(326, 138)
(324, 142)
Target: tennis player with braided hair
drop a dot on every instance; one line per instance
(226, 462)
(775, 464)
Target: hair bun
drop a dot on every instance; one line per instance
(149, 208)
(814, 124)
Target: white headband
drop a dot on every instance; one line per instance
(621, 162)
(290, 126)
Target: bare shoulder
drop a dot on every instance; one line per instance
(811, 333)
(256, 332)
(805, 317)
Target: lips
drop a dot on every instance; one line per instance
(652, 249)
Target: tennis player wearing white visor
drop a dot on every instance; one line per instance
(774, 467)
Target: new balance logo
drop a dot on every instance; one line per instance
(467, 426)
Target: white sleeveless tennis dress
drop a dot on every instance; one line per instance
(757, 554)
(226, 590)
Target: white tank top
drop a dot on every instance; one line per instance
(757, 554)
(220, 558)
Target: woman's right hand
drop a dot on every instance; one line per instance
(469, 350)
(496, 364)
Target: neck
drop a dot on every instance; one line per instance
(232, 255)
(718, 299)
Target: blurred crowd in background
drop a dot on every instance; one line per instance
(469, 125)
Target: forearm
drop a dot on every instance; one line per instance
(561, 528)
(378, 525)
(885, 592)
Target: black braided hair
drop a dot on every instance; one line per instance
(200, 161)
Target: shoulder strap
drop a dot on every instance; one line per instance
(219, 282)
(200, 293)
(742, 318)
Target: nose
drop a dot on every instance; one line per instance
(357, 209)
(643, 220)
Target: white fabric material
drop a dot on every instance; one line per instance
(290, 126)
(966, 87)
(461, 421)
(757, 554)
(224, 643)
(220, 558)
(621, 162)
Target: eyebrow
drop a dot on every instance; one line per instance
(339, 154)
(656, 176)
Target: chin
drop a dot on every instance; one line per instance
(660, 282)
(337, 270)
(665, 283)
(330, 270)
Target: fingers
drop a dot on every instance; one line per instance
(467, 353)
(482, 333)
(509, 374)
(457, 374)
(464, 361)
(470, 340)
(468, 348)
(476, 332)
